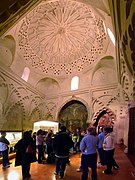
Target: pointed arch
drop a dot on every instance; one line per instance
(102, 112)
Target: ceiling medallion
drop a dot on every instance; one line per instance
(61, 37)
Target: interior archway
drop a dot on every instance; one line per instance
(104, 118)
(73, 114)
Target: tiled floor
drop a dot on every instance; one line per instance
(45, 171)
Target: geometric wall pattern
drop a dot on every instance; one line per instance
(61, 37)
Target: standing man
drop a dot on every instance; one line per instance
(101, 152)
(62, 143)
(4, 150)
(88, 146)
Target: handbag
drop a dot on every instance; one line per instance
(30, 150)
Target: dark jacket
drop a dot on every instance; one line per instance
(62, 143)
(4, 140)
(3, 143)
(21, 156)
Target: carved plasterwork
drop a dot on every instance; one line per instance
(19, 106)
(61, 37)
(48, 86)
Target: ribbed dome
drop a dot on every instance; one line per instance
(61, 37)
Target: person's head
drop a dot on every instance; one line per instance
(39, 132)
(101, 129)
(108, 130)
(63, 128)
(78, 129)
(26, 135)
(83, 132)
(91, 130)
(34, 134)
(30, 131)
(50, 133)
(3, 133)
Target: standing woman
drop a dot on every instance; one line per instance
(24, 157)
(39, 144)
(109, 147)
(49, 145)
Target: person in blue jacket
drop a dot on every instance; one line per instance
(88, 147)
(101, 152)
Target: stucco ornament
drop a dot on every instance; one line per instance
(61, 37)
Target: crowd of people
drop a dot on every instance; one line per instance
(90, 144)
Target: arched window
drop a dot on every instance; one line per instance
(111, 35)
(25, 74)
(74, 83)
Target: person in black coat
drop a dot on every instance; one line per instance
(62, 143)
(49, 148)
(24, 157)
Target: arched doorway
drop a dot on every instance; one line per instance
(104, 119)
(73, 114)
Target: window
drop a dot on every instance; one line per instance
(25, 74)
(111, 35)
(74, 83)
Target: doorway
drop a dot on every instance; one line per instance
(73, 114)
(131, 136)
